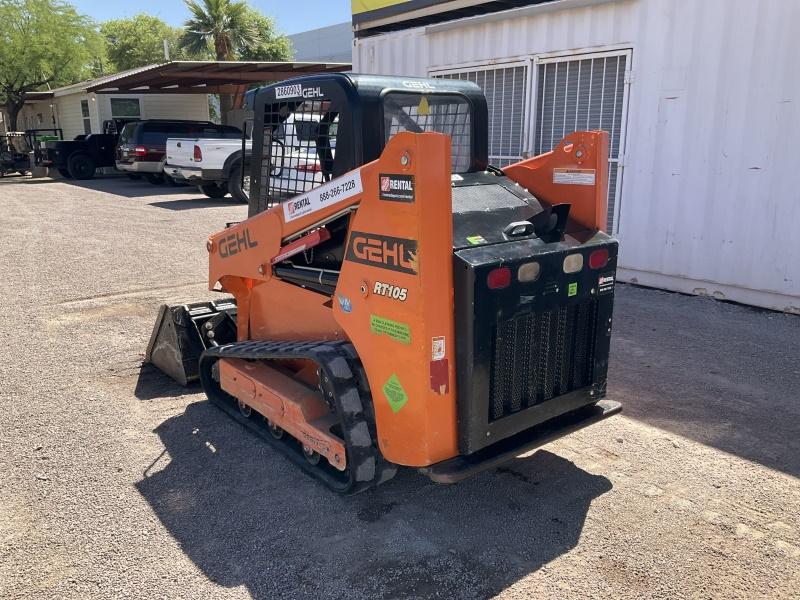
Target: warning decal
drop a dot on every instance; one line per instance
(574, 176)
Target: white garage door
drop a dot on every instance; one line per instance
(580, 92)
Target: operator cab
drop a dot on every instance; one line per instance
(347, 120)
(341, 122)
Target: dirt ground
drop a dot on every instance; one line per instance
(116, 483)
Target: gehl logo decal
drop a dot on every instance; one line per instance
(234, 243)
(383, 251)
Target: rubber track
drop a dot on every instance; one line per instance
(342, 381)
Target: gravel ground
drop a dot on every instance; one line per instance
(115, 483)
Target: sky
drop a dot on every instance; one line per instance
(292, 16)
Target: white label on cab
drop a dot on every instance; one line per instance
(325, 195)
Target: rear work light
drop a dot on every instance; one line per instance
(198, 154)
(499, 278)
(528, 272)
(573, 263)
(598, 259)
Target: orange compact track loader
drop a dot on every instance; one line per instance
(396, 299)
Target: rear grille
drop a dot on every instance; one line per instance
(538, 356)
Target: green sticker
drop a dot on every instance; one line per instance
(572, 290)
(395, 393)
(476, 239)
(397, 331)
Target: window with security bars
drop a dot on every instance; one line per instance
(442, 113)
(505, 91)
(582, 94)
(298, 149)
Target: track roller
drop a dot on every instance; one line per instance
(274, 430)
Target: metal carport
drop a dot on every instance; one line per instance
(207, 77)
(228, 78)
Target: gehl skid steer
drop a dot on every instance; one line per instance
(396, 299)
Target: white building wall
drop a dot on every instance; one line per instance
(326, 44)
(68, 115)
(709, 202)
(176, 106)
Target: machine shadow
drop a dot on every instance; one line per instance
(246, 516)
(193, 204)
(119, 185)
(152, 384)
(722, 374)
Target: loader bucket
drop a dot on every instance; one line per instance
(182, 332)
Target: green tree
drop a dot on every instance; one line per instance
(139, 40)
(42, 42)
(271, 44)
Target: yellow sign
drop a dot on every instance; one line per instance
(362, 6)
(424, 108)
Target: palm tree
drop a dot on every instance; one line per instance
(222, 24)
(225, 26)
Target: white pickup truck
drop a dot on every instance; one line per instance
(215, 165)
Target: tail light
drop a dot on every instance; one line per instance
(140, 151)
(499, 278)
(198, 154)
(309, 168)
(598, 259)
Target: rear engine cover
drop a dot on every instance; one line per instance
(532, 350)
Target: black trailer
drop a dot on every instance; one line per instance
(81, 157)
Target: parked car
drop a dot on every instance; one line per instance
(215, 165)
(142, 145)
(80, 158)
(14, 153)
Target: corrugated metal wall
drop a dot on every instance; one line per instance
(709, 201)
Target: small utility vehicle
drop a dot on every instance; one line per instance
(14, 153)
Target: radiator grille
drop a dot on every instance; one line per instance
(538, 356)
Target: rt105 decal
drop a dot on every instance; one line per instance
(390, 291)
